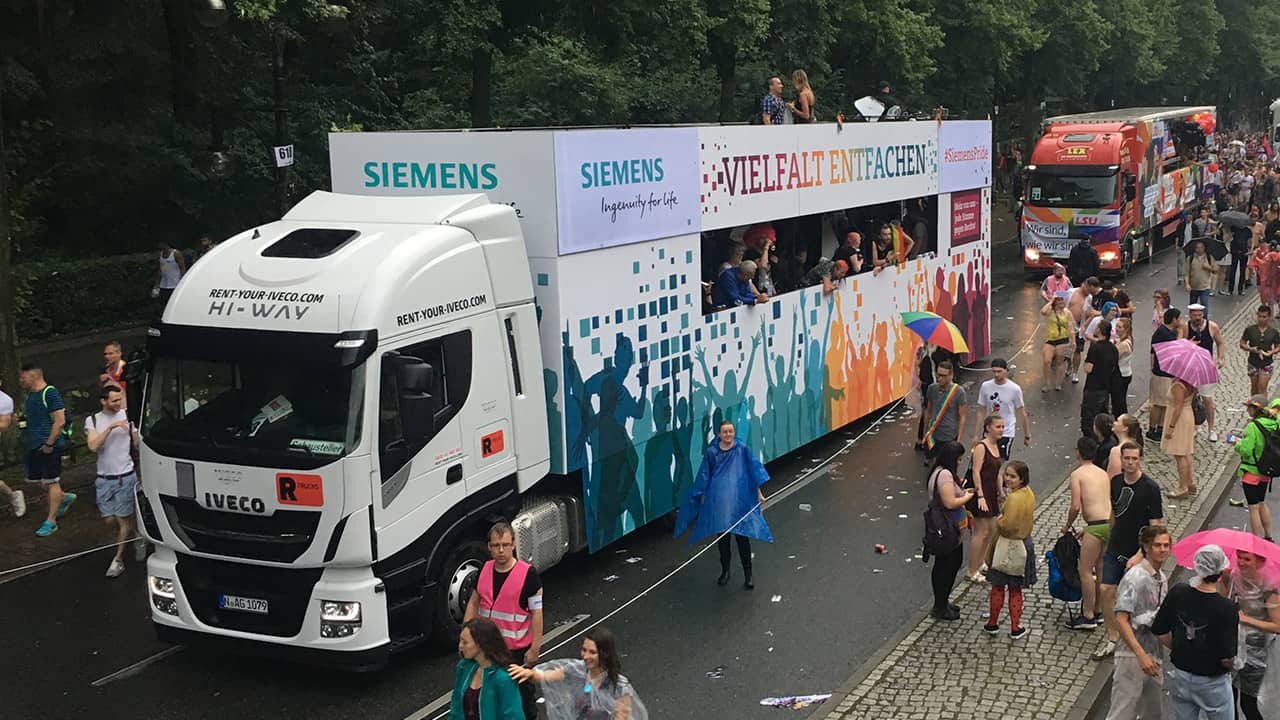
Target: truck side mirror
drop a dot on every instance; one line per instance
(414, 381)
(1130, 187)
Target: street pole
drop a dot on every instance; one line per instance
(282, 200)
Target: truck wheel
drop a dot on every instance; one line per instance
(457, 581)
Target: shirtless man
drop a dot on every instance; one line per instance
(1090, 497)
(1081, 308)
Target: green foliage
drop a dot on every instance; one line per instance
(111, 110)
(57, 297)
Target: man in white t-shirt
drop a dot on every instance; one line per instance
(16, 499)
(1003, 396)
(111, 436)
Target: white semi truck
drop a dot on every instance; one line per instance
(339, 403)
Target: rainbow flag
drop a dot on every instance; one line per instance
(899, 242)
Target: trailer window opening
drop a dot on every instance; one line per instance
(791, 254)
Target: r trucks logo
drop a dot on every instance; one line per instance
(268, 304)
(435, 311)
(298, 489)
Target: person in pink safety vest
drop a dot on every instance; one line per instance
(509, 593)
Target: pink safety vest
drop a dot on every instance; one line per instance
(514, 621)
(1056, 285)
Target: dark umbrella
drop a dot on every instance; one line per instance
(1235, 218)
(1214, 248)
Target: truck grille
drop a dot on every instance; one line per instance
(282, 537)
(287, 593)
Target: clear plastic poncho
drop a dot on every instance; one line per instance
(573, 698)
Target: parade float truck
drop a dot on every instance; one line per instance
(507, 325)
(1123, 179)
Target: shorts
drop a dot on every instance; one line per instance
(1207, 390)
(1254, 369)
(1004, 444)
(44, 468)
(1100, 530)
(1113, 568)
(115, 495)
(1059, 341)
(1257, 493)
(1079, 343)
(1160, 391)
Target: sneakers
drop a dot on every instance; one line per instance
(19, 502)
(1106, 650)
(1018, 634)
(1075, 379)
(1082, 623)
(992, 630)
(65, 505)
(1213, 436)
(140, 550)
(47, 528)
(977, 577)
(116, 569)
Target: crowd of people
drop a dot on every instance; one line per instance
(758, 262)
(1218, 627)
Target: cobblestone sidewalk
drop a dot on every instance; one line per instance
(954, 670)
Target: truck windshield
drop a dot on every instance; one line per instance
(262, 412)
(1046, 189)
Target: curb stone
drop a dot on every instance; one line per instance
(954, 671)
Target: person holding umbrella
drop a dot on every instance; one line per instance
(1191, 367)
(1247, 585)
(726, 500)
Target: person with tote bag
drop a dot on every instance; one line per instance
(1012, 560)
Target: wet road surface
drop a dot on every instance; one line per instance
(823, 604)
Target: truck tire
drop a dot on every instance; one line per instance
(457, 580)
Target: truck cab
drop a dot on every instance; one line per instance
(330, 399)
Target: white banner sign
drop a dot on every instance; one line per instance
(615, 187)
(513, 168)
(965, 149)
(750, 175)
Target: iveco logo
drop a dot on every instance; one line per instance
(236, 503)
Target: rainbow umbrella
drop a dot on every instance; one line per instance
(933, 328)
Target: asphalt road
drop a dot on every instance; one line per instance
(824, 600)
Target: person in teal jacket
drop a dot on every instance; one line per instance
(482, 688)
(1262, 422)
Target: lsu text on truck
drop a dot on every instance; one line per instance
(484, 325)
(1123, 179)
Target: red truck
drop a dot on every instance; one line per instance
(1124, 179)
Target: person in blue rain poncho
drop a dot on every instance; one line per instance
(726, 500)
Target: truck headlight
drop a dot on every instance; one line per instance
(1032, 254)
(339, 619)
(335, 611)
(163, 594)
(1107, 256)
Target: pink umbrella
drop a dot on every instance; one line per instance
(1187, 361)
(1230, 541)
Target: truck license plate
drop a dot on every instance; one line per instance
(243, 604)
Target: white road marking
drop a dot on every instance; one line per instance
(137, 667)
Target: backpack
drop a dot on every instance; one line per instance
(134, 454)
(941, 533)
(1057, 584)
(66, 414)
(1268, 461)
(1066, 552)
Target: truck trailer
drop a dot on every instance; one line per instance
(1122, 179)
(485, 325)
